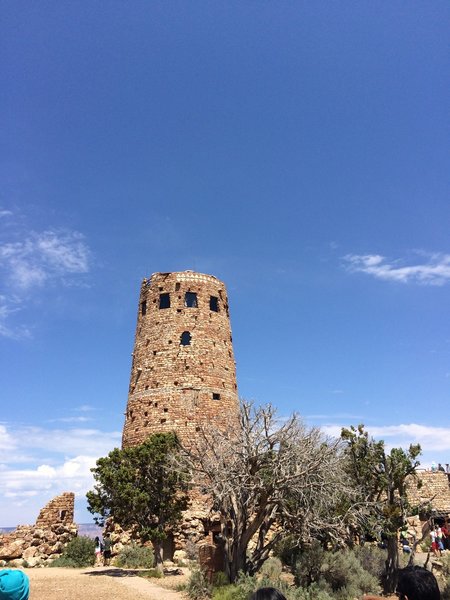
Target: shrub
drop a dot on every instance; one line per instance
(198, 588)
(307, 568)
(135, 557)
(345, 577)
(445, 561)
(79, 552)
(287, 551)
(313, 592)
(151, 574)
(372, 559)
(272, 569)
(445, 590)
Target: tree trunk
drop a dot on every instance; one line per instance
(390, 580)
(157, 549)
(235, 561)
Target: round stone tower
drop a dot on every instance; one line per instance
(183, 374)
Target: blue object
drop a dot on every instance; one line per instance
(14, 585)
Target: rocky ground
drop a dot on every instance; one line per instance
(99, 584)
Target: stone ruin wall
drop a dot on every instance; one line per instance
(39, 544)
(183, 374)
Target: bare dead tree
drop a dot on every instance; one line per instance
(268, 478)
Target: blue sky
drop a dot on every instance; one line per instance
(296, 150)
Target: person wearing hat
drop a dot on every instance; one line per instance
(14, 585)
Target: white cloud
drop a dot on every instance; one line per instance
(64, 441)
(37, 464)
(436, 271)
(431, 439)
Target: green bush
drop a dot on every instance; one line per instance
(151, 574)
(445, 590)
(272, 569)
(79, 552)
(372, 559)
(307, 568)
(345, 577)
(198, 588)
(287, 550)
(135, 557)
(313, 592)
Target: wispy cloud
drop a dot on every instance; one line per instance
(70, 420)
(435, 271)
(33, 261)
(44, 256)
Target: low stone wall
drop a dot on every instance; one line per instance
(196, 528)
(39, 544)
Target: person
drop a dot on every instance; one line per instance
(417, 583)
(267, 593)
(445, 539)
(434, 544)
(98, 552)
(106, 550)
(439, 542)
(14, 585)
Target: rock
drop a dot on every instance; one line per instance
(29, 552)
(179, 556)
(34, 561)
(13, 550)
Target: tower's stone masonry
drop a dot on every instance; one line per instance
(183, 373)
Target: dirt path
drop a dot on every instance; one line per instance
(108, 583)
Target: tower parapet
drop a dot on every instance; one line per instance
(183, 374)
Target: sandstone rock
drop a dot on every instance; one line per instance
(179, 555)
(12, 551)
(29, 552)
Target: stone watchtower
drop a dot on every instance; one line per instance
(183, 372)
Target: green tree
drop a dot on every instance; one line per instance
(380, 481)
(136, 488)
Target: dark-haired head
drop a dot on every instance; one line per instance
(416, 583)
(267, 593)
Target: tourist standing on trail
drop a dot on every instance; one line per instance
(106, 550)
(98, 552)
(434, 544)
(14, 585)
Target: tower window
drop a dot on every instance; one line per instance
(190, 300)
(164, 301)
(216, 396)
(144, 308)
(214, 303)
(185, 339)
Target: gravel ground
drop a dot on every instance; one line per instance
(95, 584)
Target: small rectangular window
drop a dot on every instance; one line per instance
(144, 308)
(164, 301)
(214, 303)
(216, 396)
(190, 300)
